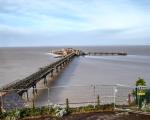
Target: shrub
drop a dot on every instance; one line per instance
(140, 82)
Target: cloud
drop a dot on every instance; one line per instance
(95, 14)
(77, 20)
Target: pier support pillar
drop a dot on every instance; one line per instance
(45, 81)
(21, 95)
(61, 66)
(64, 63)
(57, 70)
(33, 102)
(35, 89)
(27, 95)
(51, 74)
(67, 61)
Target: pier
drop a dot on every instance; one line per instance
(22, 86)
(106, 53)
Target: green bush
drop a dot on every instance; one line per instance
(140, 82)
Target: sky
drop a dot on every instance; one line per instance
(74, 22)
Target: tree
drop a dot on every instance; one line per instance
(140, 82)
(140, 91)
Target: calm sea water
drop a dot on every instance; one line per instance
(17, 63)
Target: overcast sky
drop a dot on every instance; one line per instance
(74, 22)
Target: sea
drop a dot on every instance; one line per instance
(17, 63)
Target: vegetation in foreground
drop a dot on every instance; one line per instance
(142, 95)
(53, 111)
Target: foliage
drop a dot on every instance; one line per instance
(108, 107)
(53, 110)
(10, 114)
(140, 82)
(59, 110)
(141, 95)
(3, 115)
(146, 107)
(92, 108)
